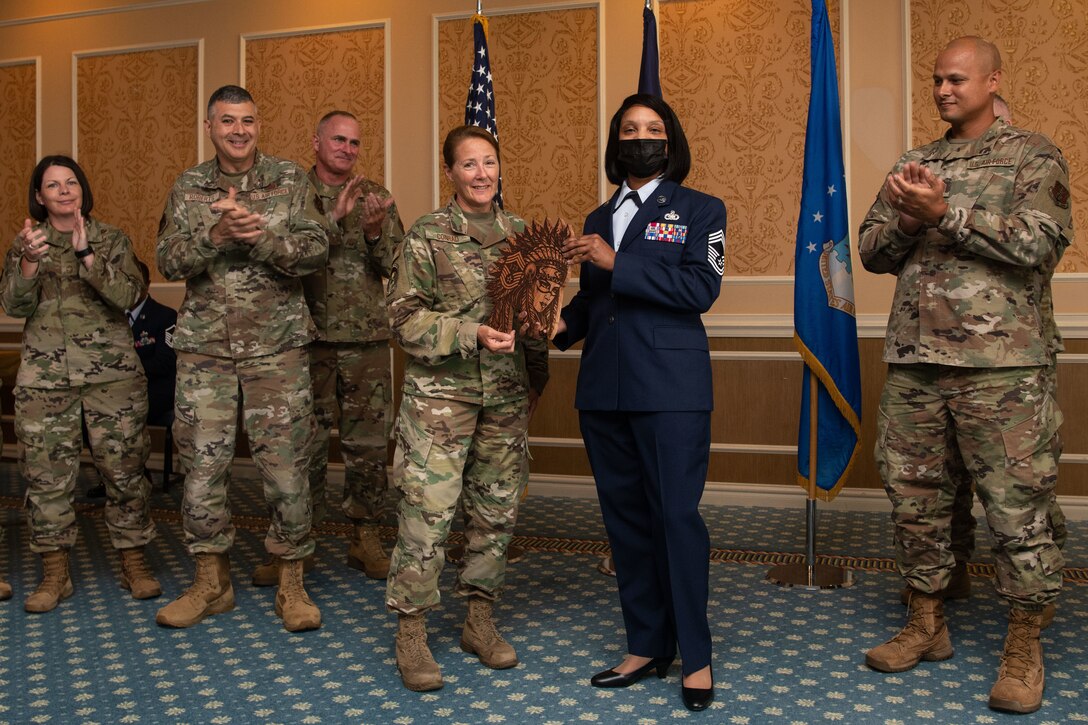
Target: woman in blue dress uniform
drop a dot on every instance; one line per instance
(652, 259)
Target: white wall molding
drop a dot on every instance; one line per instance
(727, 493)
(1073, 326)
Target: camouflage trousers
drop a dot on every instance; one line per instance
(963, 519)
(1004, 422)
(277, 409)
(48, 426)
(449, 450)
(354, 379)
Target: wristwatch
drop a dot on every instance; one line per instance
(81, 253)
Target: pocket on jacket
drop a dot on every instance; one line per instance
(460, 276)
(680, 338)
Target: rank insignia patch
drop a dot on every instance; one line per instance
(715, 251)
(672, 233)
(1060, 194)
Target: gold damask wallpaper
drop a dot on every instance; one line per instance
(1044, 51)
(137, 130)
(737, 74)
(297, 79)
(18, 119)
(544, 66)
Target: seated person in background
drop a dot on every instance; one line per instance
(152, 327)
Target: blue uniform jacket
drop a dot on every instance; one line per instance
(645, 346)
(158, 358)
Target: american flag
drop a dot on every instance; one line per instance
(480, 107)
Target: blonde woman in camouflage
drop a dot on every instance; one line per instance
(469, 390)
(72, 278)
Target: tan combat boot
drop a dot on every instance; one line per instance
(1019, 686)
(267, 573)
(210, 593)
(56, 584)
(481, 638)
(417, 667)
(365, 552)
(293, 605)
(924, 638)
(5, 590)
(136, 574)
(959, 585)
(1047, 616)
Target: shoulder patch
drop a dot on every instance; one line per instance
(1060, 194)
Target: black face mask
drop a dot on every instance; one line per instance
(642, 157)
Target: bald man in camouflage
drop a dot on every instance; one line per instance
(963, 518)
(349, 360)
(973, 225)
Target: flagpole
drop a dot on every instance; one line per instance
(810, 575)
(810, 504)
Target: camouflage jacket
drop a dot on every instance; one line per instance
(242, 300)
(437, 301)
(974, 290)
(346, 297)
(76, 332)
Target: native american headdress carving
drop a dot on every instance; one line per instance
(529, 278)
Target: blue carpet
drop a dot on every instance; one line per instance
(780, 655)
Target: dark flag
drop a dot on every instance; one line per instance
(825, 329)
(480, 107)
(649, 74)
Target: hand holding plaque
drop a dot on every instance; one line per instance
(526, 282)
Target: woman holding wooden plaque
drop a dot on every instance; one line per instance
(462, 427)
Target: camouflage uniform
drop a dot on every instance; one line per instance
(461, 431)
(78, 361)
(963, 518)
(349, 361)
(242, 330)
(969, 352)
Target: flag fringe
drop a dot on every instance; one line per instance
(482, 20)
(816, 368)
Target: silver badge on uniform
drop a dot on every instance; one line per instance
(661, 199)
(671, 216)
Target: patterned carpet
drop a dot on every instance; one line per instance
(781, 655)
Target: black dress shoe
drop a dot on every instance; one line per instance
(697, 698)
(611, 678)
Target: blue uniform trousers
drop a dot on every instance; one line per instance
(650, 470)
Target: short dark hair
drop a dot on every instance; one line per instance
(679, 161)
(229, 94)
(333, 114)
(463, 133)
(37, 211)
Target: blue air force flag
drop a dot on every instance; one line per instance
(825, 329)
(480, 107)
